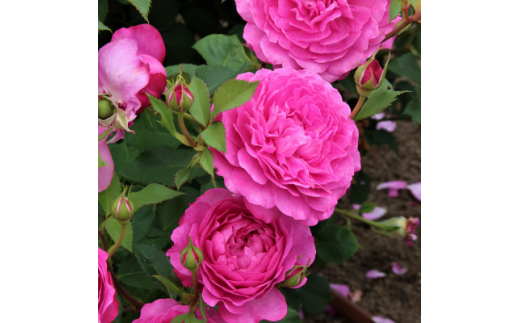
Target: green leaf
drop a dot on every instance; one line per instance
(395, 9)
(407, 66)
(378, 100)
(232, 94)
(102, 10)
(169, 285)
(183, 176)
(200, 108)
(223, 50)
(336, 244)
(142, 221)
(106, 197)
(158, 165)
(166, 114)
(291, 317)
(360, 188)
(101, 162)
(152, 260)
(206, 161)
(123, 155)
(152, 194)
(101, 26)
(114, 230)
(148, 133)
(186, 68)
(367, 207)
(215, 136)
(130, 273)
(314, 295)
(143, 6)
(413, 108)
(214, 76)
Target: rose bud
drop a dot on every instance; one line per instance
(405, 228)
(191, 257)
(123, 209)
(105, 109)
(295, 277)
(368, 77)
(180, 99)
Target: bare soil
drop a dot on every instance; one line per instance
(395, 297)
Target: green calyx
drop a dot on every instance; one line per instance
(191, 257)
(122, 208)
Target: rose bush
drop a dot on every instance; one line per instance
(292, 149)
(328, 37)
(244, 257)
(165, 310)
(108, 307)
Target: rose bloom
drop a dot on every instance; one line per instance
(244, 257)
(108, 307)
(165, 310)
(292, 148)
(325, 36)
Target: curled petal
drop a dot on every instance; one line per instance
(398, 270)
(374, 273)
(392, 187)
(415, 189)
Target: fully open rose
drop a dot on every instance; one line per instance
(165, 310)
(292, 149)
(329, 37)
(108, 307)
(244, 257)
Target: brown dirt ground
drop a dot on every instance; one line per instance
(394, 297)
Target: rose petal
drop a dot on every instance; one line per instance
(375, 214)
(398, 270)
(378, 116)
(374, 273)
(386, 125)
(147, 37)
(379, 319)
(105, 173)
(415, 189)
(392, 186)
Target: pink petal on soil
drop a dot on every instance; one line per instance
(379, 319)
(386, 125)
(392, 186)
(398, 270)
(374, 215)
(374, 273)
(415, 189)
(378, 116)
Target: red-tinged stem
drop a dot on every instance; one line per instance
(408, 20)
(357, 107)
(113, 249)
(185, 131)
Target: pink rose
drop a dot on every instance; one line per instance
(327, 37)
(165, 310)
(292, 149)
(126, 69)
(244, 257)
(108, 307)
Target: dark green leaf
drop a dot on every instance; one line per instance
(360, 188)
(108, 196)
(183, 176)
(166, 114)
(377, 101)
(101, 26)
(413, 108)
(152, 260)
(223, 50)
(314, 295)
(142, 222)
(123, 155)
(200, 108)
(336, 244)
(186, 68)
(114, 230)
(407, 66)
(143, 6)
(130, 273)
(169, 285)
(215, 136)
(214, 76)
(102, 10)
(367, 207)
(232, 94)
(158, 165)
(148, 133)
(152, 194)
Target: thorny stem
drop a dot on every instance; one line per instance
(408, 20)
(362, 219)
(113, 249)
(185, 131)
(357, 107)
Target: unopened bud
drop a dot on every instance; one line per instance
(368, 77)
(180, 99)
(191, 257)
(123, 209)
(404, 228)
(295, 277)
(105, 109)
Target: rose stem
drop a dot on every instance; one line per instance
(362, 219)
(118, 242)
(357, 107)
(185, 131)
(416, 17)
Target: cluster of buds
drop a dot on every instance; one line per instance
(123, 208)
(180, 98)
(404, 228)
(295, 277)
(370, 76)
(191, 257)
